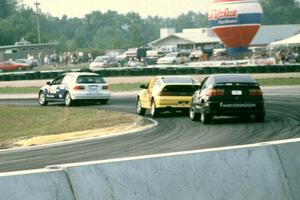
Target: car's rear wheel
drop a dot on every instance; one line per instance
(104, 101)
(42, 99)
(193, 115)
(259, 117)
(154, 111)
(245, 117)
(185, 111)
(68, 100)
(205, 117)
(139, 109)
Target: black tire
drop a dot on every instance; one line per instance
(193, 115)
(205, 117)
(139, 109)
(154, 112)
(42, 99)
(104, 101)
(185, 111)
(259, 117)
(68, 99)
(245, 118)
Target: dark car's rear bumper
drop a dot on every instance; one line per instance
(232, 108)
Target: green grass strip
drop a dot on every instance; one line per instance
(22, 121)
(34, 90)
(136, 86)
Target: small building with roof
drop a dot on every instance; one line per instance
(199, 38)
(23, 48)
(206, 40)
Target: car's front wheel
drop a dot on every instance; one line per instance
(193, 115)
(139, 109)
(68, 100)
(42, 99)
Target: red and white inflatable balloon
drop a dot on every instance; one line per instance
(235, 22)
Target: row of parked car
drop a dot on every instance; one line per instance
(218, 95)
(18, 65)
(112, 61)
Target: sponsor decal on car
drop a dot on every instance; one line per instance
(234, 105)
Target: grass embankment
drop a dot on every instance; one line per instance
(19, 123)
(61, 67)
(279, 81)
(34, 90)
(135, 86)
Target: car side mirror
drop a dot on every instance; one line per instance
(143, 86)
(48, 83)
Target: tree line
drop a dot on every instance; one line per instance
(110, 30)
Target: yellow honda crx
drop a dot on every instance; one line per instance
(165, 93)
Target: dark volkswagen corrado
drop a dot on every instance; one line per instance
(228, 95)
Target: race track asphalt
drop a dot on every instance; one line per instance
(173, 133)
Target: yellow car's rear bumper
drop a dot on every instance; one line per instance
(173, 102)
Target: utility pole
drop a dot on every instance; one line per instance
(37, 21)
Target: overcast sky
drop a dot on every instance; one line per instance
(78, 8)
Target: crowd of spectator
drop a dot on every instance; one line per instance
(65, 58)
(287, 56)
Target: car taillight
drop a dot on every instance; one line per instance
(79, 87)
(165, 94)
(255, 92)
(105, 87)
(214, 92)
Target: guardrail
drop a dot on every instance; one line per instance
(161, 70)
(267, 171)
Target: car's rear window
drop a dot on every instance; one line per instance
(180, 90)
(88, 79)
(234, 79)
(181, 80)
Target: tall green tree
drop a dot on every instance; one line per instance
(7, 7)
(281, 11)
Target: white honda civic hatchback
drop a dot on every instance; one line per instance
(75, 86)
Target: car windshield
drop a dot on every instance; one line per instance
(20, 61)
(170, 55)
(87, 79)
(180, 80)
(101, 59)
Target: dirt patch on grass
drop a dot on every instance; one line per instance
(96, 133)
(29, 126)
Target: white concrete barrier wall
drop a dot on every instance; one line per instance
(35, 185)
(289, 155)
(248, 173)
(252, 172)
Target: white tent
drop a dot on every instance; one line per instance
(291, 41)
